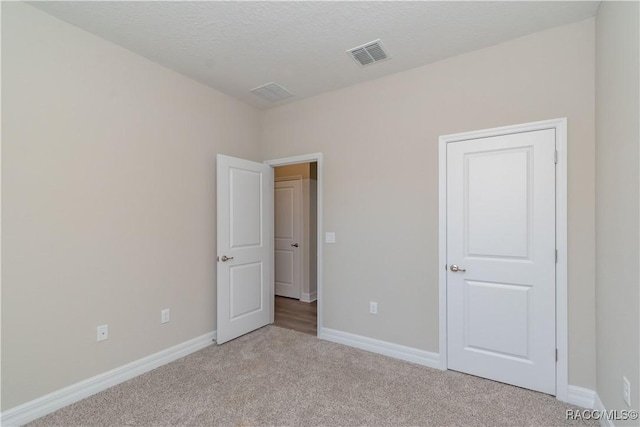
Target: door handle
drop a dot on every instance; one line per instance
(455, 268)
(295, 245)
(225, 258)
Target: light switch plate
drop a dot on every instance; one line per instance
(330, 237)
(103, 332)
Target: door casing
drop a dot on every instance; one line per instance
(560, 127)
(306, 158)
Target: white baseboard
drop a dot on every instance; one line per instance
(51, 402)
(580, 396)
(304, 297)
(410, 354)
(44, 405)
(589, 399)
(599, 406)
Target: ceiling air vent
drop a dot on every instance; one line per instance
(369, 53)
(271, 92)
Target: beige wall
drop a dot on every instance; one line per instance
(617, 208)
(108, 198)
(380, 145)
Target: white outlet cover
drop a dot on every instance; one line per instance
(165, 316)
(330, 237)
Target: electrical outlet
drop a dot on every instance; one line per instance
(103, 332)
(626, 390)
(373, 307)
(164, 316)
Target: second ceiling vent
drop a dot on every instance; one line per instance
(369, 53)
(271, 92)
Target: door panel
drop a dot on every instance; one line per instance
(245, 210)
(246, 289)
(283, 196)
(284, 267)
(510, 315)
(498, 179)
(288, 238)
(501, 230)
(245, 218)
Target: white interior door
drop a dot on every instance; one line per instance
(245, 220)
(288, 238)
(501, 237)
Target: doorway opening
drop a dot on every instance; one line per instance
(295, 246)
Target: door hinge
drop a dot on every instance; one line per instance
(556, 256)
(555, 157)
(556, 354)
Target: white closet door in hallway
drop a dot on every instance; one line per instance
(288, 238)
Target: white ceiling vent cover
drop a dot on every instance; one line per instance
(369, 53)
(271, 92)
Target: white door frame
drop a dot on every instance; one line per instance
(560, 127)
(306, 158)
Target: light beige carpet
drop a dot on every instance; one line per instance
(276, 376)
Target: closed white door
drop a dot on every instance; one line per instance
(245, 220)
(501, 258)
(288, 238)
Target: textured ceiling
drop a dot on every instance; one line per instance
(236, 46)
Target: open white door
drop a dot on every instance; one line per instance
(245, 223)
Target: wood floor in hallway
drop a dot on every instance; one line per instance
(297, 315)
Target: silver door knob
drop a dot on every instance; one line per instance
(225, 258)
(295, 245)
(454, 267)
